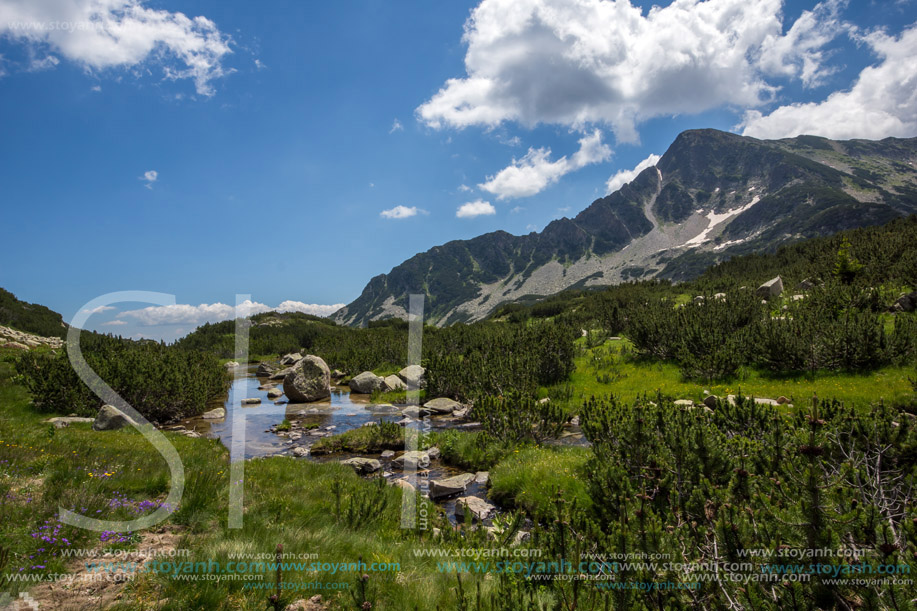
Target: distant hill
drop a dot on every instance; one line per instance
(30, 317)
(712, 195)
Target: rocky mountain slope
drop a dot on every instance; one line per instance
(712, 195)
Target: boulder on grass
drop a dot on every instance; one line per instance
(366, 383)
(111, 418)
(907, 302)
(309, 380)
(770, 289)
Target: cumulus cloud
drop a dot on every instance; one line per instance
(105, 34)
(99, 310)
(114, 323)
(882, 101)
(535, 171)
(149, 177)
(401, 212)
(622, 177)
(478, 207)
(214, 312)
(576, 62)
(801, 51)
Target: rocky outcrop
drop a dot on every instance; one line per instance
(366, 383)
(264, 370)
(11, 338)
(282, 374)
(309, 380)
(907, 302)
(110, 418)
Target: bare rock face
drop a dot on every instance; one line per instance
(309, 380)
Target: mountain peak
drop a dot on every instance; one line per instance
(712, 194)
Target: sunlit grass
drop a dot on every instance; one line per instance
(634, 377)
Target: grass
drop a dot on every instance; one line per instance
(531, 478)
(310, 508)
(362, 440)
(629, 377)
(473, 451)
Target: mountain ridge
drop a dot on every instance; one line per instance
(712, 195)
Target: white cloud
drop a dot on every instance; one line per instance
(622, 177)
(114, 323)
(45, 63)
(99, 310)
(260, 65)
(801, 51)
(478, 207)
(577, 62)
(401, 212)
(106, 34)
(97, 88)
(396, 126)
(214, 312)
(535, 172)
(881, 103)
(465, 189)
(517, 209)
(150, 176)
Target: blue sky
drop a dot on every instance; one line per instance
(291, 151)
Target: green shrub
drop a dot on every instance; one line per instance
(161, 382)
